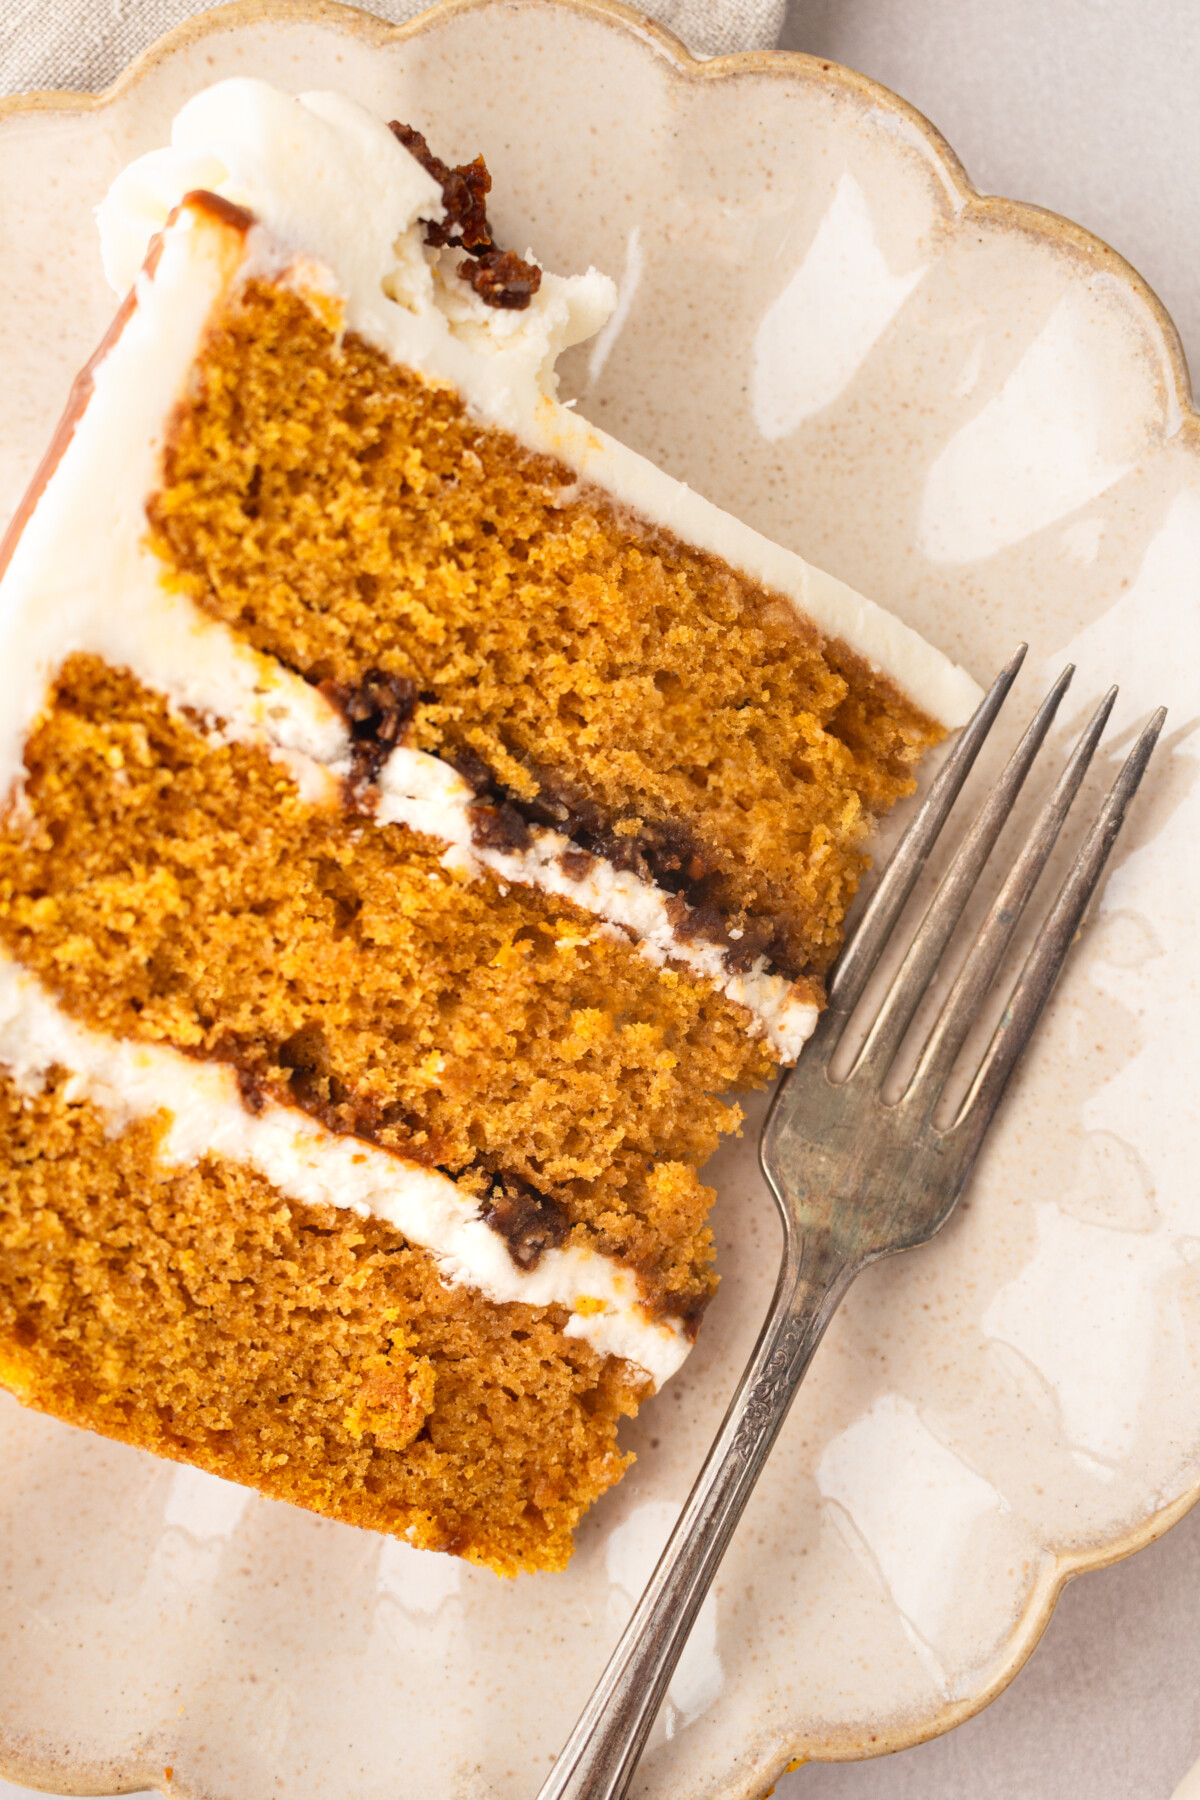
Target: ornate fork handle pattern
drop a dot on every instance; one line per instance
(856, 1175)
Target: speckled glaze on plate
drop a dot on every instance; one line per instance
(978, 414)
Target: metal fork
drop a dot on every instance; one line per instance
(856, 1175)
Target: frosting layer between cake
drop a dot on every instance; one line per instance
(207, 1115)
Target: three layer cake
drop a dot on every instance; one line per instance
(421, 811)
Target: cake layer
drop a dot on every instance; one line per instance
(429, 796)
(331, 184)
(180, 890)
(315, 1355)
(348, 517)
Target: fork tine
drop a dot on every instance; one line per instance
(957, 885)
(961, 1006)
(862, 952)
(1045, 960)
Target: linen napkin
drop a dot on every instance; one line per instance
(85, 44)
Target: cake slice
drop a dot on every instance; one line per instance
(421, 812)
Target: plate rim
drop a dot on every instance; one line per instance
(1053, 229)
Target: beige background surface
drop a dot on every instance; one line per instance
(1086, 107)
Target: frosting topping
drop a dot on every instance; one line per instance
(327, 179)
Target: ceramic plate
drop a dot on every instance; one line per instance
(979, 415)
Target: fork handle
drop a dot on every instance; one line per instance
(599, 1757)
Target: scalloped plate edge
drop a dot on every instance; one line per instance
(54, 1774)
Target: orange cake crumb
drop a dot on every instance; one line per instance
(318, 1357)
(347, 515)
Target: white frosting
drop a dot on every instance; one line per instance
(130, 1081)
(328, 180)
(427, 795)
(82, 577)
